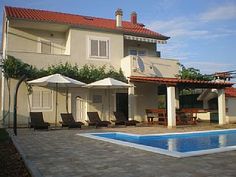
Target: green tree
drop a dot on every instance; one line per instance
(193, 74)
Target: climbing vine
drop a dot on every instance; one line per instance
(15, 68)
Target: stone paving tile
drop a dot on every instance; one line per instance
(63, 153)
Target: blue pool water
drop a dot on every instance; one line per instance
(187, 142)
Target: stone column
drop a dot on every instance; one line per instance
(171, 114)
(177, 98)
(131, 101)
(221, 106)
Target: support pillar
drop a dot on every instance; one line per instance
(177, 97)
(221, 106)
(171, 114)
(131, 104)
(2, 117)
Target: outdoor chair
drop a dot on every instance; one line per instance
(37, 121)
(122, 120)
(159, 114)
(186, 118)
(94, 120)
(69, 121)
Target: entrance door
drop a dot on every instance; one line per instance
(122, 103)
(80, 109)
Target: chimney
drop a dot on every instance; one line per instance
(119, 15)
(133, 18)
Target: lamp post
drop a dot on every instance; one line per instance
(1, 68)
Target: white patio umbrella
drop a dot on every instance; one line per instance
(56, 81)
(108, 83)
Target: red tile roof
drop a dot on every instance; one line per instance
(181, 82)
(230, 92)
(79, 20)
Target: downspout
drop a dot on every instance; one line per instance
(5, 44)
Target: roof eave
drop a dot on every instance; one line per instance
(182, 83)
(161, 37)
(118, 30)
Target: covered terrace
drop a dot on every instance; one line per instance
(173, 86)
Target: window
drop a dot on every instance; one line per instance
(139, 52)
(98, 48)
(132, 52)
(97, 98)
(46, 47)
(41, 100)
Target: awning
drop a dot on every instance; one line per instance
(144, 39)
(181, 83)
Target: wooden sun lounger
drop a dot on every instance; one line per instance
(37, 121)
(94, 120)
(69, 121)
(122, 120)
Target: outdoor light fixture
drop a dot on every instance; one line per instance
(1, 60)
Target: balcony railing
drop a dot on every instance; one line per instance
(149, 66)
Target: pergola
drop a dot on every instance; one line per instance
(172, 85)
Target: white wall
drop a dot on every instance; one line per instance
(145, 98)
(28, 40)
(80, 44)
(231, 113)
(153, 66)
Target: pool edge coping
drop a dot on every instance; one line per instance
(159, 150)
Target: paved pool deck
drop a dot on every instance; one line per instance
(62, 153)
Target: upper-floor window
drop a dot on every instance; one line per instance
(41, 100)
(98, 47)
(46, 47)
(139, 52)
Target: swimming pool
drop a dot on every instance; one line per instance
(174, 144)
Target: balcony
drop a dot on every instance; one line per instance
(149, 66)
(38, 59)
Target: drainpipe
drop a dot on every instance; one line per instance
(4, 56)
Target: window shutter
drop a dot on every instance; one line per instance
(103, 48)
(36, 99)
(94, 48)
(45, 47)
(46, 99)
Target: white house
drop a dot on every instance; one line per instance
(42, 38)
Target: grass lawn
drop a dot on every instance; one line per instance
(11, 164)
(3, 135)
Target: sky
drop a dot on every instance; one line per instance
(203, 32)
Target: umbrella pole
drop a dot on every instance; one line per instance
(109, 102)
(56, 104)
(67, 109)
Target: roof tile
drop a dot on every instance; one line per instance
(175, 81)
(79, 20)
(230, 92)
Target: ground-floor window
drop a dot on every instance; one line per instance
(41, 100)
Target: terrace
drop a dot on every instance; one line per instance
(64, 153)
